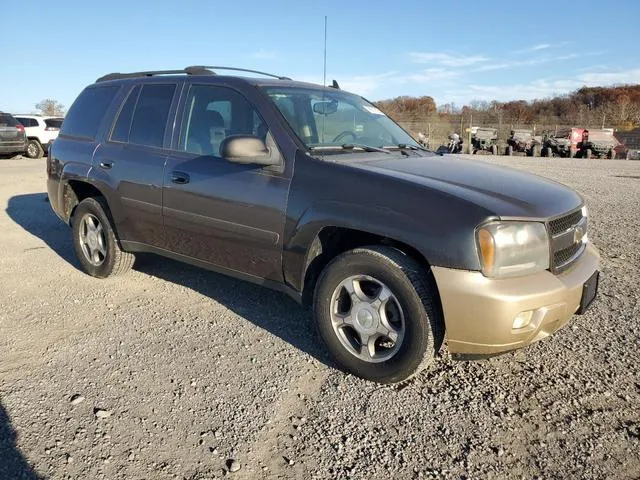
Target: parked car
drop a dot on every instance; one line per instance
(597, 143)
(484, 139)
(12, 136)
(562, 143)
(315, 192)
(41, 131)
(628, 144)
(522, 140)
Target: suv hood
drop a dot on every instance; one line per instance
(503, 191)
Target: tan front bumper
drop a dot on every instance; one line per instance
(479, 311)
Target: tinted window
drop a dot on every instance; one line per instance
(150, 117)
(7, 120)
(54, 122)
(86, 113)
(123, 124)
(214, 113)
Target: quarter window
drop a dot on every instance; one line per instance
(87, 112)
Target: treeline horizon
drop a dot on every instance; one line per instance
(615, 107)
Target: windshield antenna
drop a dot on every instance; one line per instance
(324, 74)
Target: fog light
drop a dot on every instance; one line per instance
(522, 319)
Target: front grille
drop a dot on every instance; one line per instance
(561, 257)
(567, 244)
(563, 224)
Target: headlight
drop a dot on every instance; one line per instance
(508, 249)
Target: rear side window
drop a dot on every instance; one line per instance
(53, 122)
(150, 117)
(122, 127)
(7, 120)
(26, 122)
(86, 113)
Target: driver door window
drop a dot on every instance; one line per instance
(213, 114)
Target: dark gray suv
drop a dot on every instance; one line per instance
(313, 191)
(12, 136)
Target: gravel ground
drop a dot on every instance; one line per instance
(176, 372)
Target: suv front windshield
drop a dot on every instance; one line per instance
(329, 119)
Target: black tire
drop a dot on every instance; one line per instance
(34, 149)
(114, 261)
(415, 293)
(509, 151)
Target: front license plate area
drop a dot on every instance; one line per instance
(589, 291)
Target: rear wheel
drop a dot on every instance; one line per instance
(34, 149)
(377, 314)
(95, 241)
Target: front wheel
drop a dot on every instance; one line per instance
(535, 151)
(34, 149)
(377, 314)
(95, 241)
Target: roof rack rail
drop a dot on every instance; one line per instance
(151, 73)
(210, 68)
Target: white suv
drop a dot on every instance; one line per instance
(41, 131)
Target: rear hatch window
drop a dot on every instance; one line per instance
(7, 120)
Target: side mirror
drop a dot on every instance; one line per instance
(247, 149)
(325, 108)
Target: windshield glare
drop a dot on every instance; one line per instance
(325, 118)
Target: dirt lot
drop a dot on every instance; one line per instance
(173, 372)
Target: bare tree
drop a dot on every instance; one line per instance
(49, 106)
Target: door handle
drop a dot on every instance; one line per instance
(106, 165)
(179, 177)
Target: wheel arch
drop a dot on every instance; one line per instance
(333, 240)
(75, 191)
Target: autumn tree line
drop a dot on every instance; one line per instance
(589, 107)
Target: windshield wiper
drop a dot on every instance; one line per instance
(350, 146)
(404, 146)
(366, 148)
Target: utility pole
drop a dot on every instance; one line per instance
(470, 148)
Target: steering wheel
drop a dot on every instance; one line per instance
(340, 136)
